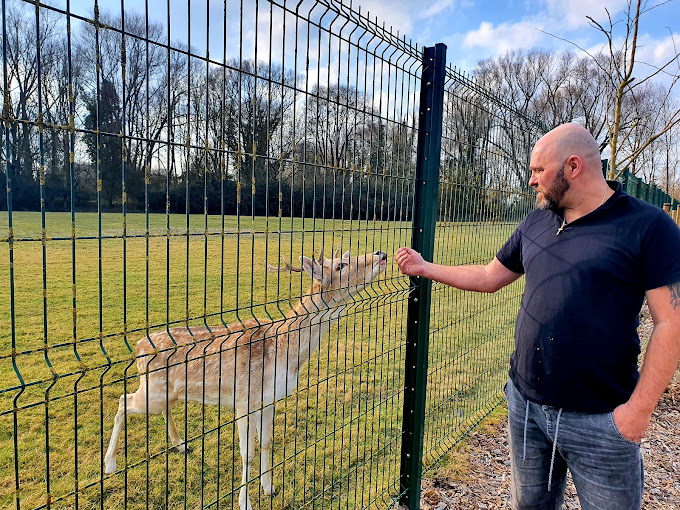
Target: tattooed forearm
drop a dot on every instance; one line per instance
(675, 294)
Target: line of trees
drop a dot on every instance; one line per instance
(242, 137)
(487, 148)
(255, 138)
(558, 87)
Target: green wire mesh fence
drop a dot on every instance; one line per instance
(636, 186)
(202, 204)
(651, 193)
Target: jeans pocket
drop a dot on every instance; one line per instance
(618, 432)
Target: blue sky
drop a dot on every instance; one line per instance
(474, 30)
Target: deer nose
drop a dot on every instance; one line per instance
(381, 254)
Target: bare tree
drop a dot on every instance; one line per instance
(621, 65)
(533, 82)
(37, 63)
(251, 106)
(340, 125)
(552, 87)
(145, 77)
(589, 88)
(668, 151)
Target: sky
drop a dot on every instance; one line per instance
(475, 30)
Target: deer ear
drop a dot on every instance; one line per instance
(346, 255)
(312, 268)
(307, 265)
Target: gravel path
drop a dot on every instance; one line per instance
(483, 479)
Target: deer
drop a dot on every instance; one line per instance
(248, 365)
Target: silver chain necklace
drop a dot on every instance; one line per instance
(564, 220)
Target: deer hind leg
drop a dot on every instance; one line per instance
(135, 403)
(246, 439)
(130, 404)
(265, 424)
(173, 435)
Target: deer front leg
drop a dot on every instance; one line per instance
(246, 439)
(172, 432)
(265, 424)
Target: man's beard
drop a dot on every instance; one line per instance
(551, 198)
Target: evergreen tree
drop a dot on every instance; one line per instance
(108, 109)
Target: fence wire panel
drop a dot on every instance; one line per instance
(174, 150)
(650, 193)
(483, 195)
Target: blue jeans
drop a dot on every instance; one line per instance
(607, 468)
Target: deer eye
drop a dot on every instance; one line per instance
(340, 266)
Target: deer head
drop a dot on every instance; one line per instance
(337, 279)
(340, 278)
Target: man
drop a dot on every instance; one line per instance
(590, 254)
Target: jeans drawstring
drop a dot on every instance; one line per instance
(552, 460)
(526, 421)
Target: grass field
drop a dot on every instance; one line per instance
(337, 438)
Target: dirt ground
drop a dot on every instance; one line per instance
(480, 475)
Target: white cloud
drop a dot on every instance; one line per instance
(653, 54)
(562, 19)
(574, 12)
(651, 51)
(504, 37)
(392, 14)
(438, 7)
(662, 51)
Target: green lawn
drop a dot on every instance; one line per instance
(337, 439)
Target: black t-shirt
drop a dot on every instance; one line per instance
(576, 342)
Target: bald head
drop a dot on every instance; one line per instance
(566, 172)
(571, 139)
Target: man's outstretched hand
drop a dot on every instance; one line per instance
(410, 262)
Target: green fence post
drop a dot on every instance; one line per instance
(418, 320)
